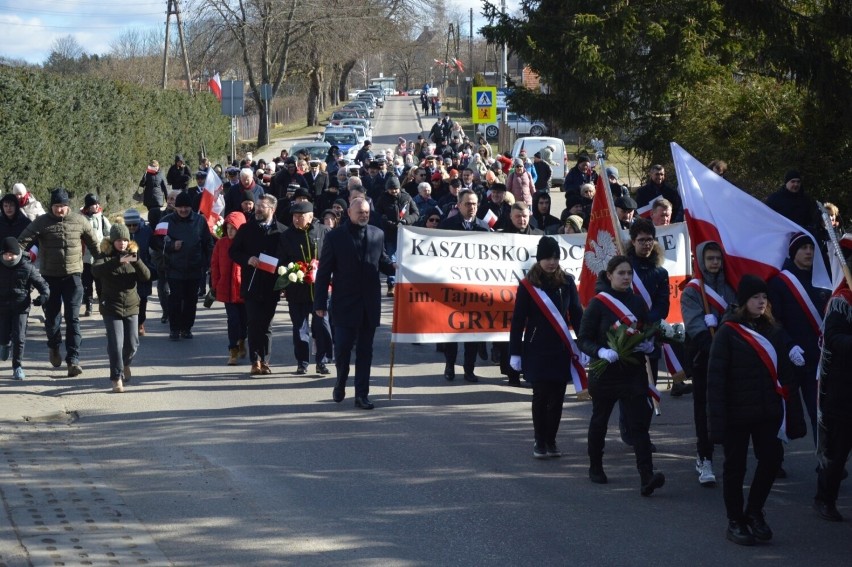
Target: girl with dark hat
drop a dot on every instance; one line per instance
(539, 344)
(619, 380)
(747, 378)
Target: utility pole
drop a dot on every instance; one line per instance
(470, 48)
(504, 66)
(174, 8)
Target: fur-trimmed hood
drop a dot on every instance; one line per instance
(106, 248)
(657, 256)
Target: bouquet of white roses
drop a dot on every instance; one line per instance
(294, 272)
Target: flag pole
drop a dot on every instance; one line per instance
(598, 144)
(835, 244)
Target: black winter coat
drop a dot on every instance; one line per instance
(154, 190)
(16, 283)
(296, 245)
(252, 240)
(799, 207)
(618, 379)
(835, 396)
(193, 258)
(544, 356)
(649, 192)
(396, 210)
(740, 390)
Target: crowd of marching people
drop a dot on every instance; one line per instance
(320, 233)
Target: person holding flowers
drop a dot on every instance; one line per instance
(540, 342)
(225, 280)
(300, 247)
(612, 334)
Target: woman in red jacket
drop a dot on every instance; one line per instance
(226, 276)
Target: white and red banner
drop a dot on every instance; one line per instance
(215, 84)
(161, 229)
(754, 237)
(460, 286)
(267, 263)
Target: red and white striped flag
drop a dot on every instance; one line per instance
(212, 203)
(161, 229)
(754, 237)
(215, 84)
(603, 241)
(267, 263)
(490, 218)
(33, 253)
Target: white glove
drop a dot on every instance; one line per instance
(797, 356)
(711, 321)
(608, 354)
(515, 362)
(645, 347)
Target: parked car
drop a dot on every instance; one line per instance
(317, 150)
(343, 138)
(415, 92)
(533, 144)
(361, 105)
(379, 93)
(361, 111)
(338, 114)
(369, 98)
(523, 126)
(368, 127)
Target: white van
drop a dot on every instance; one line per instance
(533, 144)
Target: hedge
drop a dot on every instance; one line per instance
(97, 136)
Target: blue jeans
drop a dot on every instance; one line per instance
(65, 291)
(237, 323)
(390, 250)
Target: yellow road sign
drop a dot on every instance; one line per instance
(484, 104)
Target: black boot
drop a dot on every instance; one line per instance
(650, 482)
(759, 528)
(597, 474)
(739, 533)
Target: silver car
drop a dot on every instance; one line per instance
(523, 126)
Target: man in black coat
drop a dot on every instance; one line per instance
(302, 242)
(353, 255)
(791, 201)
(396, 208)
(466, 219)
(656, 188)
(317, 180)
(179, 175)
(259, 236)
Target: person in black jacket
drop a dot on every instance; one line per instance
(745, 389)
(396, 208)
(619, 380)
(353, 255)
(656, 187)
(17, 278)
(302, 242)
(792, 202)
(178, 175)
(835, 395)
(153, 184)
(537, 349)
(465, 220)
(13, 221)
(261, 235)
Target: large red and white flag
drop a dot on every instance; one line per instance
(754, 237)
(215, 84)
(212, 203)
(603, 240)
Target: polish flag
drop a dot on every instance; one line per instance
(215, 84)
(603, 240)
(458, 65)
(33, 253)
(161, 229)
(267, 263)
(490, 218)
(212, 203)
(645, 212)
(754, 237)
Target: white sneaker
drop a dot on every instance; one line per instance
(118, 386)
(704, 468)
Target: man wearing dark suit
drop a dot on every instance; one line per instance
(317, 180)
(353, 255)
(465, 220)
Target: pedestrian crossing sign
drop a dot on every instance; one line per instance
(484, 107)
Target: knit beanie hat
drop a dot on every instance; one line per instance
(750, 286)
(59, 197)
(132, 216)
(792, 174)
(797, 241)
(119, 231)
(10, 244)
(547, 248)
(90, 199)
(576, 221)
(248, 196)
(183, 200)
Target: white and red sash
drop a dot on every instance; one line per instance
(767, 354)
(557, 321)
(627, 317)
(713, 298)
(673, 365)
(803, 299)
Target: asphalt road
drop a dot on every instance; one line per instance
(217, 468)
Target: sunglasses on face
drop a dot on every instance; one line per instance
(433, 219)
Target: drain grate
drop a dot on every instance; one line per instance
(62, 510)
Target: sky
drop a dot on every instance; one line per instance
(31, 27)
